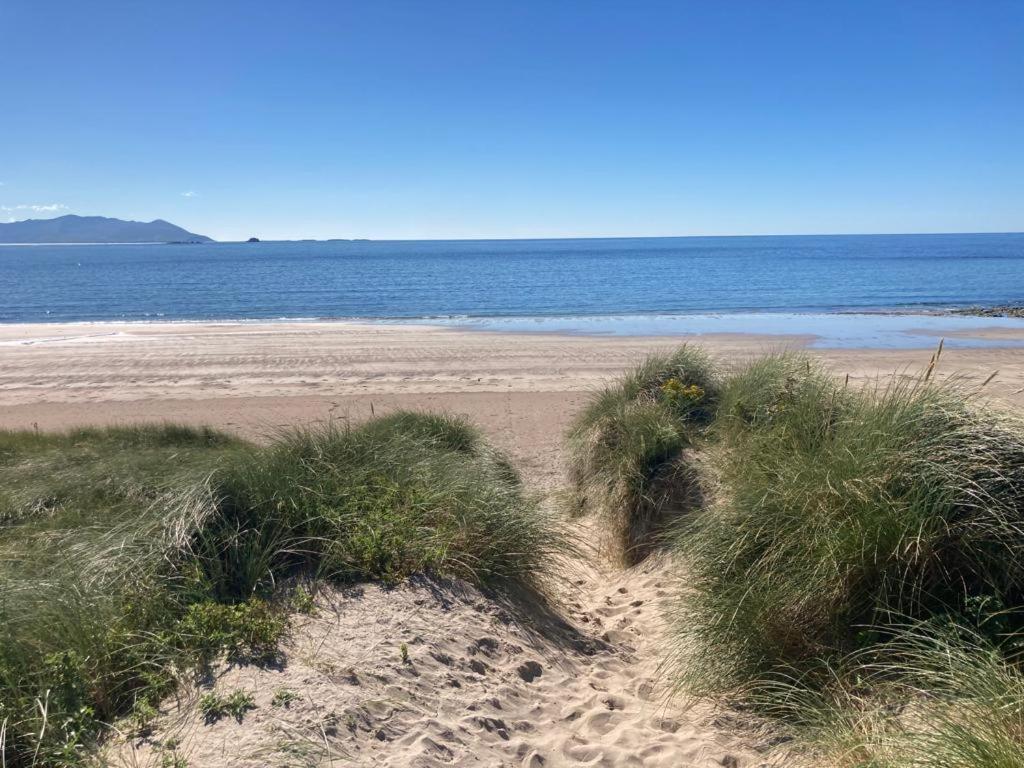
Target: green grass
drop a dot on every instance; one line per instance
(843, 533)
(787, 388)
(129, 556)
(63, 480)
(840, 510)
(85, 520)
(626, 449)
(400, 495)
(930, 698)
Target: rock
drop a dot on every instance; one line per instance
(1007, 311)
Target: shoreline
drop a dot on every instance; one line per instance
(995, 311)
(827, 330)
(252, 379)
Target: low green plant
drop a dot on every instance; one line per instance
(248, 632)
(213, 706)
(283, 697)
(303, 601)
(173, 760)
(143, 715)
(626, 448)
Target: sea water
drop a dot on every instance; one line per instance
(793, 284)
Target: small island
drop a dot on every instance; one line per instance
(253, 240)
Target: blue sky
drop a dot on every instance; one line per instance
(516, 119)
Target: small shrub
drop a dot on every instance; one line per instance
(143, 715)
(172, 760)
(303, 601)
(247, 632)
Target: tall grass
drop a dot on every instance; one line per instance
(129, 556)
(402, 494)
(932, 697)
(86, 519)
(85, 475)
(781, 387)
(626, 449)
(839, 510)
(842, 533)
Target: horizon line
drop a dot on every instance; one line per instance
(618, 237)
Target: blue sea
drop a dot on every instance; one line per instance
(786, 284)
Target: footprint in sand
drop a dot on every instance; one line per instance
(530, 671)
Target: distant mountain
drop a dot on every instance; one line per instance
(95, 229)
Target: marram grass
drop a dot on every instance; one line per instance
(129, 556)
(402, 494)
(931, 697)
(837, 510)
(856, 572)
(627, 459)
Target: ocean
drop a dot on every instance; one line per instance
(621, 285)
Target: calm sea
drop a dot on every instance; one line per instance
(510, 281)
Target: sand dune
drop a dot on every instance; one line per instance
(482, 686)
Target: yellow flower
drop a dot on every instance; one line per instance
(674, 390)
(693, 392)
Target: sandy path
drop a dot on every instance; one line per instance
(480, 687)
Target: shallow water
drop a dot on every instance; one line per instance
(827, 330)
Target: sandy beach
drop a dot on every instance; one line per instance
(255, 378)
(481, 689)
(512, 385)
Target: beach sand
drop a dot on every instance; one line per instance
(256, 378)
(483, 686)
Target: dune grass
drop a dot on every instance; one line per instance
(85, 519)
(845, 531)
(61, 480)
(931, 697)
(403, 494)
(130, 556)
(626, 449)
(781, 387)
(839, 510)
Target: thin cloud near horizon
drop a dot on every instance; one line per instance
(48, 208)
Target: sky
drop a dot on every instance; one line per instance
(452, 119)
